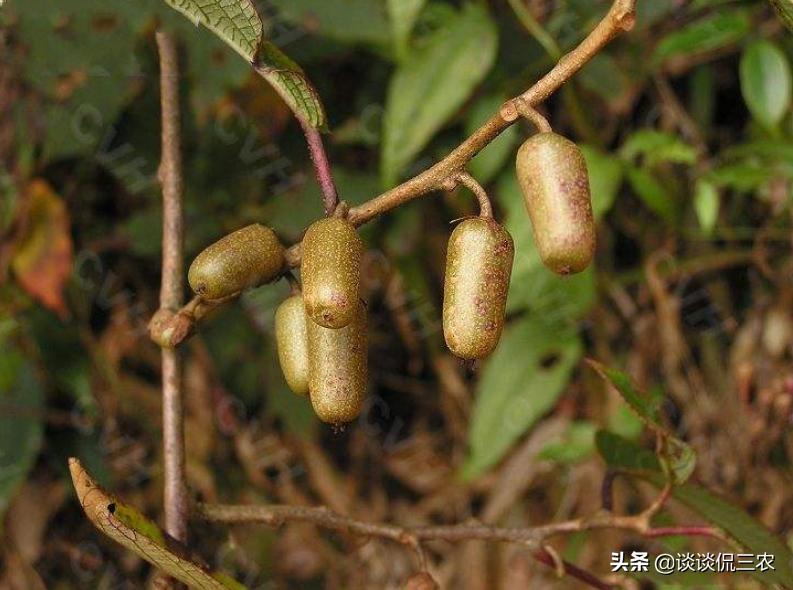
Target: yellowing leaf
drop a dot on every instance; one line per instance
(43, 260)
(125, 525)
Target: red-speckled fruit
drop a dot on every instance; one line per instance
(553, 176)
(331, 271)
(291, 339)
(249, 256)
(337, 368)
(478, 268)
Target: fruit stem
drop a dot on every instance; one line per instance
(532, 115)
(469, 182)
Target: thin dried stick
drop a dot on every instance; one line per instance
(170, 175)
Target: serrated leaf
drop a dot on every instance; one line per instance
(765, 82)
(676, 457)
(126, 525)
(646, 407)
(234, 21)
(714, 32)
(519, 384)
(706, 205)
(785, 10)
(432, 83)
(290, 82)
(238, 24)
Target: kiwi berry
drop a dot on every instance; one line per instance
(291, 340)
(337, 368)
(249, 256)
(478, 268)
(331, 271)
(553, 176)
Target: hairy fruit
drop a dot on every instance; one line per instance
(291, 340)
(478, 268)
(244, 258)
(331, 272)
(553, 177)
(337, 368)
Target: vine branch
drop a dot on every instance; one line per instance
(619, 18)
(171, 290)
(276, 515)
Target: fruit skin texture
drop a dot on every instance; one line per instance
(249, 256)
(337, 368)
(553, 177)
(291, 339)
(478, 268)
(331, 271)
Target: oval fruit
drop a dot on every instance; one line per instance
(244, 258)
(291, 340)
(337, 368)
(553, 177)
(331, 271)
(478, 268)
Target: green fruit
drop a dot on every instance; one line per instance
(291, 340)
(331, 271)
(337, 368)
(478, 267)
(553, 176)
(249, 256)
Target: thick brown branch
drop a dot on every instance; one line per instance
(170, 173)
(620, 17)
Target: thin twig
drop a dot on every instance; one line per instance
(319, 158)
(469, 182)
(170, 174)
(620, 17)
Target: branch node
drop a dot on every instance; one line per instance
(532, 115)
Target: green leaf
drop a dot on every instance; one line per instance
(487, 163)
(126, 525)
(234, 21)
(656, 147)
(646, 407)
(714, 32)
(21, 428)
(677, 458)
(432, 83)
(654, 195)
(785, 10)
(765, 82)
(519, 384)
(605, 178)
(706, 204)
(238, 24)
(403, 15)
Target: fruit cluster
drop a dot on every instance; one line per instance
(321, 331)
